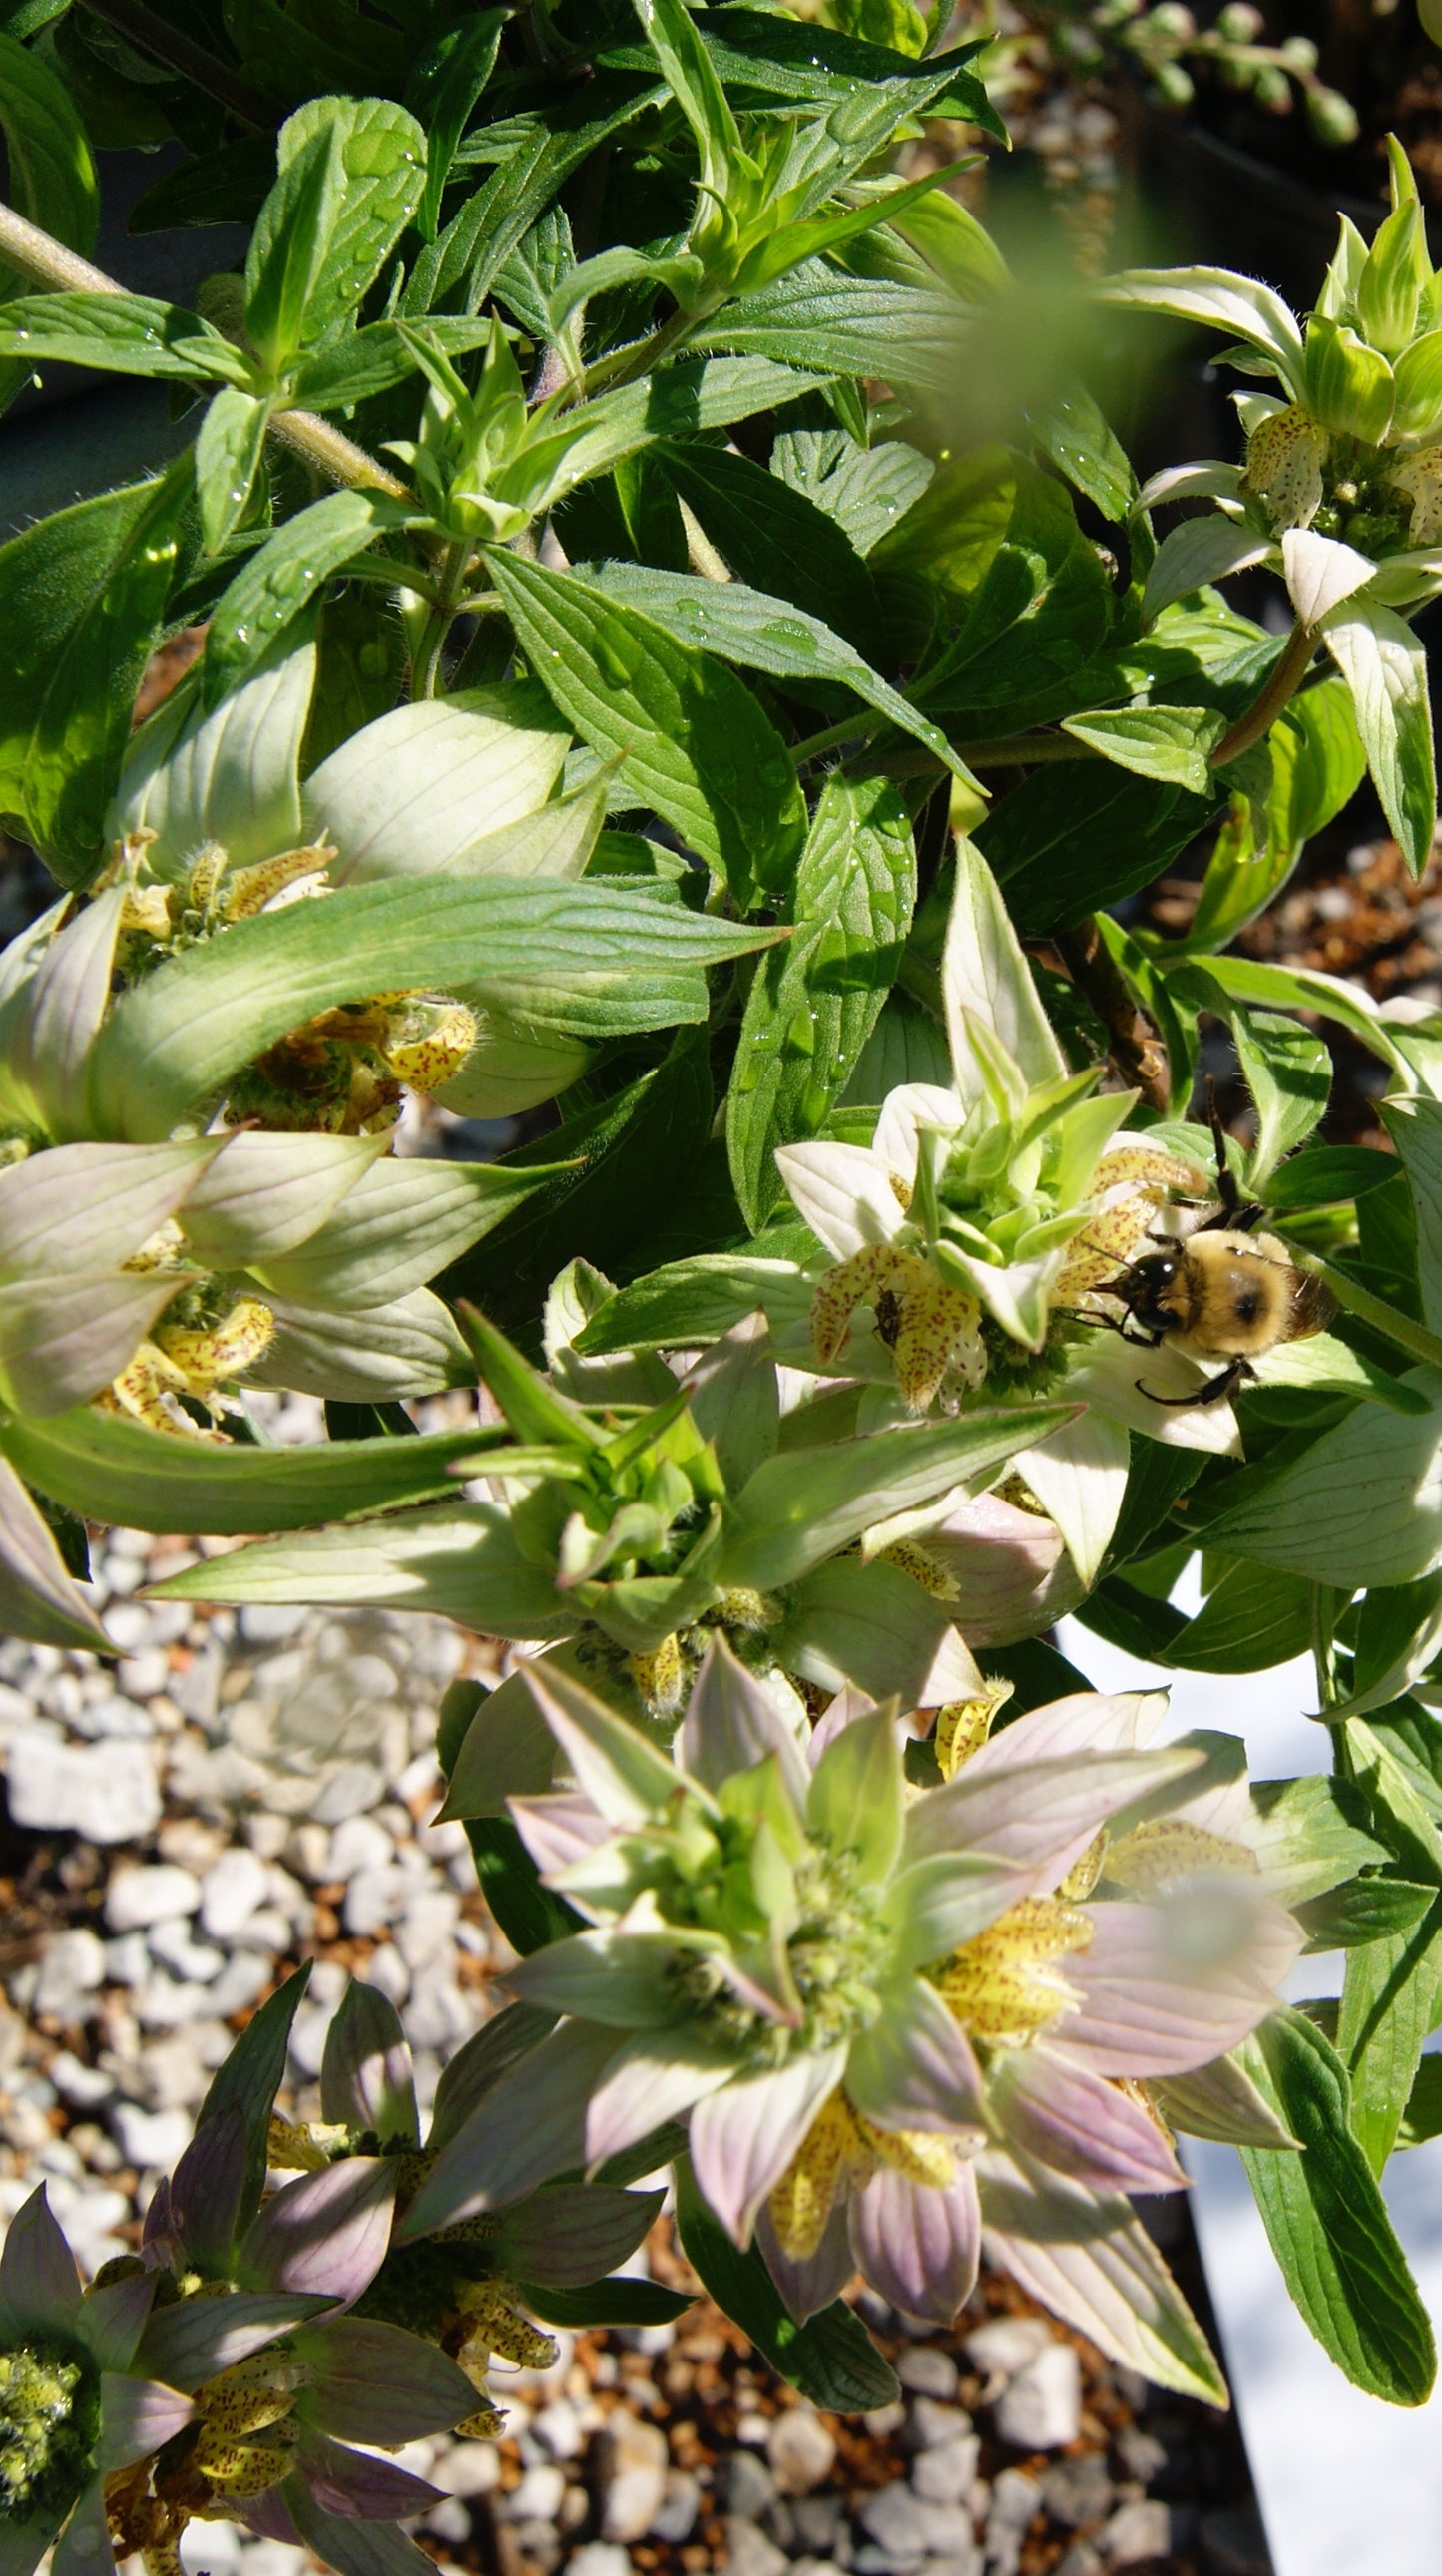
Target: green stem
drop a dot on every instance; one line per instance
(1359, 1301)
(454, 568)
(62, 272)
(623, 366)
(166, 45)
(1280, 689)
(816, 743)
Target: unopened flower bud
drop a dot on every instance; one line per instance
(1272, 90)
(1174, 85)
(1333, 118)
(1171, 23)
(1240, 23)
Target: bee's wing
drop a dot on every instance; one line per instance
(1312, 1309)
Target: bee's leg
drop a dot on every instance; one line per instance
(1235, 1215)
(1218, 1389)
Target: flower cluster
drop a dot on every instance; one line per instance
(250, 2362)
(895, 2016)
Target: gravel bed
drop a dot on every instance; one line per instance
(239, 1792)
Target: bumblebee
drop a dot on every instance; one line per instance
(1222, 1292)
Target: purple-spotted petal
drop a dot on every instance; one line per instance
(379, 2384)
(136, 2416)
(83, 2548)
(206, 2190)
(651, 2078)
(744, 2136)
(809, 2282)
(326, 2233)
(365, 2075)
(732, 1722)
(1170, 1986)
(111, 2318)
(530, 2125)
(914, 2068)
(917, 2246)
(196, 2338)
(356, 2483)
(39, 2281)
(1064, 2115)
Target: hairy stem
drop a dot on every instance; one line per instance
(1279, 691)
(166, 44)
(1133, 1042)
(24, 246)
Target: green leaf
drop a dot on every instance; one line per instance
(281, 578)
(82, 595)
(636, 1153)
(1288, 1071)
(1317, 765)
(126, 335)
(52, 178)
(595, 956)
(831, 2359)
(350, 366)
(249, 2078)
(689, 740)
(1003, 538)
(1328, 2223)
(1415, 1127)
(1074, 432)
(436, 787)
(38, 1599)
(476, 245)
(289, 245)
(1071, 838)
(461, 1561)
(616, 2301)
(822, 318)
(676, 43)
(1362, 1505)
(812, 1004)
(225, 186)
(696, 1300)
(1239, 306)
(443, 89)
(677, 402)
(1313, 1834)
(806, 1504)
(1389, 1992)
(1422, 2118)
(228, 451)
(764, 633)
(1326, 1175)
(1173, 744)
(1385, 667)
(148, 1479)
(1251, 1619)
(1369, 1909)
(402, 1221)
(229, 776)
(778, 540)
(381, 153)
(866, 490)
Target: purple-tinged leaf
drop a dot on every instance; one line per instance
(351, 2546)
(111, 2318)
(358, 2484)
(136, 2416)
(1040, 1815)
(1072, 2120)
(744, 2136)
(1221, 2101)
(809, 2282)
(83, 2548)
(1168, 1987)
(37, 1597)
(39, 2280)
(326, 2232)
(573, 2233)
(206, 2189)
(365, 2072)
(250, 2076)
(914, 2068)
(558, 1830)
(626, 1980)
(732, 1723)
(379, 2384)
(917, 2246)
(197, 2338)
(527, 2127)
(619, 1771)
(653, 2078)
(480, 2064)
